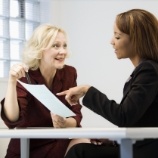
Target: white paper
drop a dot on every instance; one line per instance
(48, 99)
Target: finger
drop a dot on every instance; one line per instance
(54, 118)
(68, 97)
(62, 93)
(57, 119)
(52, 114)
(72, 103)
(57, 124)
(26, 67)
(18, 70)
(95, 143)
(72, 100)
(60, 120)
(16, 74)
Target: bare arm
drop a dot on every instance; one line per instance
(11, 108)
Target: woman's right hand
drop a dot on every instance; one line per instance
(74, 94)
(17, 71)
(11, 107)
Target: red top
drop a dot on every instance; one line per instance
(35, 114)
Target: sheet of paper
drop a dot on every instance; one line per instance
(48, 99)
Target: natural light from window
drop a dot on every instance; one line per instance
(18, 19)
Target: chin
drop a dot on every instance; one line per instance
(60, 67)
(118, 57)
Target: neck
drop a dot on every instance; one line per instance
(136, 60)
(48, 75)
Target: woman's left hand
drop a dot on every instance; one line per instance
(58, 121)
(102, 142)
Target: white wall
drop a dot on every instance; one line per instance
(89, 24)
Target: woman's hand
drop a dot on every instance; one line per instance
(11, 107)
(74, 94)
(17, 71)
(58, 121)
(102, 142)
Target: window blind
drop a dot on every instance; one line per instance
(18, 19)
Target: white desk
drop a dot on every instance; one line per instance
(125, 136)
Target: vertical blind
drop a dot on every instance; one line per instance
(18, 19)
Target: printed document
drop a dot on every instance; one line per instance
(48, 99)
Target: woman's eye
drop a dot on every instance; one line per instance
(56, 46)
(117, 37)
(65, 46)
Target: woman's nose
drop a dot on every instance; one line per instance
(112, 41)
(63, 51)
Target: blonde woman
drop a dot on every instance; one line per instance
(44, 61)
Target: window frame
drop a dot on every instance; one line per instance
(23, 21)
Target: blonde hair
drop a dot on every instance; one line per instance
(42, 39)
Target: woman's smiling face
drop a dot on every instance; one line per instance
(55, 56)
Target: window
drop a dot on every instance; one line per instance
(18, 18)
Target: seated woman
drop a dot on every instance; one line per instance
(44, 61)
(136, 38)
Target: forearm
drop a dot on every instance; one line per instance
(11, 108)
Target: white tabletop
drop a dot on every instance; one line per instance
(141, 133)
(111, 133)
(63, 133)
(124, 136)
